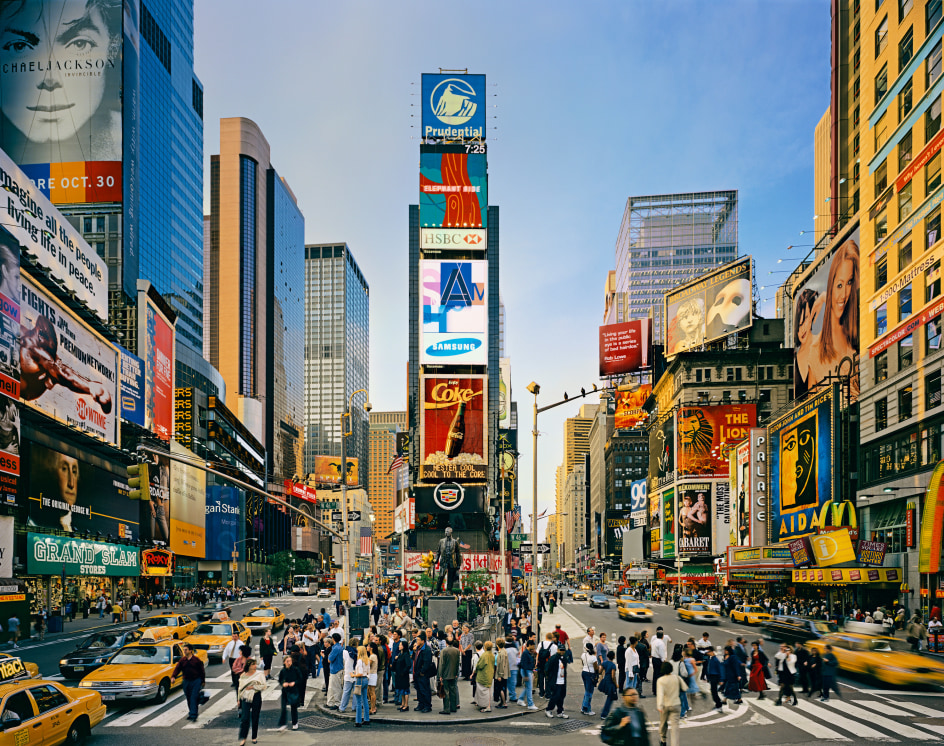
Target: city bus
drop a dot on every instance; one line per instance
(305, 585)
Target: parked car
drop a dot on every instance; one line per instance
(798, 628)
(599, 601)
(95, 651)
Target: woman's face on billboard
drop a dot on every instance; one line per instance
(53, 66)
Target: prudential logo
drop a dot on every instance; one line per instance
(453, 101)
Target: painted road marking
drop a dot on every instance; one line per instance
(852, 726)
(175, 713)
(133, 716)
(788, 715)
(899, 729)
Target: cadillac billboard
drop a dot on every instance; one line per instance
(454, 324)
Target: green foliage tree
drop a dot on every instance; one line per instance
(281, 565)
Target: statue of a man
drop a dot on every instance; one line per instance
(449, 559)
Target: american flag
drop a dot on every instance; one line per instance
(367, 541)
(512, 517)
(396, 463)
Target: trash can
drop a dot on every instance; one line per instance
(54, 624)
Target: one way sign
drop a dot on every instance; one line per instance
(542, 548)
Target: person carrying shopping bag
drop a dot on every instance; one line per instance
(252, 683)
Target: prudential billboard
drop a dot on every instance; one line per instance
(454, 107)
(454, 327)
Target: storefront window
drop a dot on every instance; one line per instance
(930, 445)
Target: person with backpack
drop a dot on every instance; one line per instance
(555, 680)
(547, 649)
(608, 683)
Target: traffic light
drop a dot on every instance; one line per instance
(139, 482)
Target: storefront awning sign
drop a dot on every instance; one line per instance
(55, 555)
(157, 563)
(848, 575)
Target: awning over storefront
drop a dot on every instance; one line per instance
(55, 555)
(766, 564)
(848, 575)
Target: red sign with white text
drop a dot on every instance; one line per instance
(301, 491)
(625, 347)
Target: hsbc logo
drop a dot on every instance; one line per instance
(452, 238)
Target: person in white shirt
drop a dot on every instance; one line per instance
(590, 638)
(349, 656)
(231, 653)
(786, 673)
(660, 652)
(632, 666)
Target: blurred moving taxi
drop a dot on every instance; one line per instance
(747, 614)
(580, 596)
(142, 670)
(264, 617)
(212, 637)
(695, 612)
(168, 626)
(13, 668)
(46, 712)
(632, 610)
(885, 658)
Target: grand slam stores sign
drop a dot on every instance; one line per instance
(453, 107)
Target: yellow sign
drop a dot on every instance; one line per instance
(833, 548)
(13, 597)
(745, 555)
(10, 668)
(848, 575)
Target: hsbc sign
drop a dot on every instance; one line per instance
(452, 239)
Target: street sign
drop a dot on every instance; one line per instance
(528, 567)
(517, 537)
(352, 515)
(336, 515)
(543, 548)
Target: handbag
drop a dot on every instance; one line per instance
(440, 689)
(203, 698)
(292, 698)
(357, 690)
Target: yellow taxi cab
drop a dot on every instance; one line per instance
(579, 596)
(142, 670)
(747, 614)
(885, 658)
(632, 610)
(264, 617)
(696, 612)
(168, 626)
(47, 713)
(13, 668)
(213, 636)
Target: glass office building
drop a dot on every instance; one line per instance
(666, 240)
(337, 354)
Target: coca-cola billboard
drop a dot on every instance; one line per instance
(454, 428)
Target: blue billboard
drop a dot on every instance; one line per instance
(132, 386)
(453, 106)
(222, 521)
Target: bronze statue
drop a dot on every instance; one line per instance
(450, 560)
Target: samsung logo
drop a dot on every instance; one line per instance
(455, 347)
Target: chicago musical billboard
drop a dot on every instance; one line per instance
(453, 428)
(454, 324)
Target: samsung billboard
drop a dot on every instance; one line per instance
(454, 325)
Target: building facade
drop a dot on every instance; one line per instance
(601, 429)
(384, 427)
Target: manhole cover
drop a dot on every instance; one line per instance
(320, 723)
(569, 726)
(480, 741)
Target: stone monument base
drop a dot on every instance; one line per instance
(442, 609)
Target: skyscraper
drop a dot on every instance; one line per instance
(665, 240)
(384, 427)
(255, 302)
(337, 354)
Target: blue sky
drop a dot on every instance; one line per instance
(594, 102)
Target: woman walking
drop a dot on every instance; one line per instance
(733, 671)
(484, 675)
(609, 684)
(786, 673)
(815, 667)
(252, 684)
(267, 652)
(290, 680)
(588, 673)
(758, 678)
(402, 663)
(361, 677)
(374, 661)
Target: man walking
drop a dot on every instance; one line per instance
(449, 660)
(230, 654)
(659, 654)
(194, 675)
(626, 725)
(336, 666)
(830, 668)
(422, 663)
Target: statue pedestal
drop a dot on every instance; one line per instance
(442, 609)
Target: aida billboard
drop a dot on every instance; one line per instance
(454, 325)
(706, 435)
(453, 107)
(716, 304)
(626, 347)
(802, 450)
(453, 189)
(453, 428)
(156, 346)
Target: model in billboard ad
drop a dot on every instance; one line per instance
(68, 494)
(453, 190)
(693, 533)
(454, 428)
(741, 531)
(155, 512)
(625, 348)
(9, 315)
(668, 524)
(662, 454)
(454, 328)
(801, 458)
(66, 370)
(826, 321)
(707, 434)
(715, 305)
(158, 341)
(60, 96)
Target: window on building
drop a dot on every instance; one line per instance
(904, 302)
(904, 151)
(703, 397)
(933, 226)
(742, 395)
(881, 366)
(932, 282)
(904, 8)
(932, 335)
(881, 414)
(930, 444)
(932, 389)
(881, 130)
(905, 352)
(932, 15)
(904, 404)
(87, 225)
(932, 119)
(933, 65)
(881, 178)
(726, 397)
(904, 201)
(881, 37)
(881, 319)
(881, 83)
(881, 227)
(905, 49)
(932, 175)
(881, 271)
(905, 100)
(730, 374)
(904, 254)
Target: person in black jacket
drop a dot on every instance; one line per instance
(422, 664)
(194, 673)
(267, 652)
(555, 680)
(621, 660)
(642, 650)
(292, 682)
(300, 662)
(402, 664)
(803, 666)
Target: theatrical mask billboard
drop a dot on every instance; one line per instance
(716, 304)
(706, 434)
(453, 188)
(453, 428)
(693, 519)
(826, 321)
(454, 325)
(662, 453)
(802, 445)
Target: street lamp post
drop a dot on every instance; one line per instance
(344, 593)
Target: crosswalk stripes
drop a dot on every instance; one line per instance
(136, 715)
(222, 705)
(847, 724)
(175, 713)
(818, 731)
(901, 729)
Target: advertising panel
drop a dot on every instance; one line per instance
(328, 470)
(454, 327)
(662, 454)
(301, 491)
(222, 521)
(668, 524)
(9, 315)
(826, 320)
(453, 239)
(9, 448)
(707, 434)
(188, 505)
(450, 497)
(872, 552)
(156, 346)
(66, 369)
(56, 555)
(722, 522)
(626, 347)
(157, 563)
(716, 304)
(454, 106)
(183, 415)
(131, 131)
(6, 546)
(694, 519)
(629, 407)
(741, 529)
(453, 430)
(50, 239)
(132, 386)
(801, 458)
(833, 548)
(655, 526)
(453, 190)
(155, 512)
(846, 575)
(618, 523)
(70, 495)
(504, 391)
(639, 506)
(60, 94)
(801, 552)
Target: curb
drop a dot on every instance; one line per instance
(388, 720)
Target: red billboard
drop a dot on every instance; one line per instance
(706, 435)
(625, 347)
(454, 428)
(629, 411)
(156, 347)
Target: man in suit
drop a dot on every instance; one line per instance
(422, 663)
(449, 661)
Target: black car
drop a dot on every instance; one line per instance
(254, 592)
(798, 629)
(94, 652)
(599, 601)
(206, 613)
